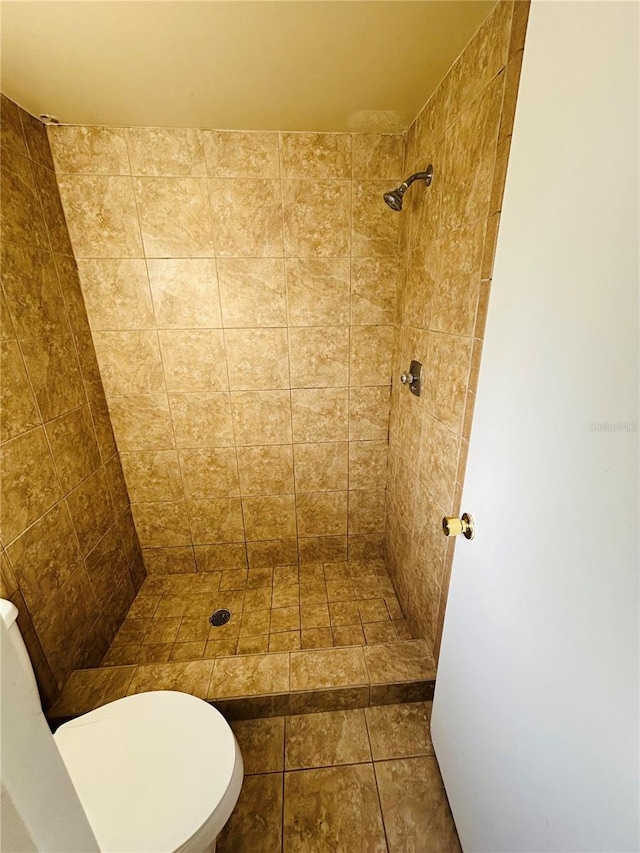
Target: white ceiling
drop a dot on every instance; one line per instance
(324, 65)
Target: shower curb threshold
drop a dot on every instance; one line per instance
(266, 685)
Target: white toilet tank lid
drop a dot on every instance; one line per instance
(149, 769)
(8, 611)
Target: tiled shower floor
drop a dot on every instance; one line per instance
(310, 606)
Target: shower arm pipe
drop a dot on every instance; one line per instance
(417, 176)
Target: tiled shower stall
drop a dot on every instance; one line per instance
(247, 302)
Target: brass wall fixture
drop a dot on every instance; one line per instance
(456, 526)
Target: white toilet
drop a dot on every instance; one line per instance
(158, 772)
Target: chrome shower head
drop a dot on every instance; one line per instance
(394, 197)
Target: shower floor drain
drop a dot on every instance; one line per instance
(219, 617)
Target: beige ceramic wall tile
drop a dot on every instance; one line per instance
(320, 414)
(234, 154)
(217, 520)
(366, 511)
(45, 556)
(318, 291)
(117, 486)
(247, 217)
(368, 413)
(266, 470)
(376, 228)
(89, 367)
(367, 464)
(74, 446)
(101, 216)
(470, 149)
(116, 293)
(185, 293)
(210, 558)
(329, 549)
(438, 460)
(22, 220)
(263, 555)
(168, 561)
(502, 162)
(378, 156)
(426, 129)
(49, 622)
(209, 473)
(374, 287)
(194, 360)
(28, 482)
(18, 410)
(52, 365)
(261, 417)
(167, 151)
(258, 359)
(321, 467)
(32, 303)
(315, 155)
(371, 348)
(252, 292)
(89, 150)
(32, 292)
(141, 422)
(152, 475)
(90, 509)
(317, 218)
(449, 361)
(455, 296)
(129, 362)
(414, 309)
(69, 279)
(322, 513)
(52, 210)
(271, 517)
(485, 55)
(202, 420)
(35, 135)
(175, 220)
(11, 135)
(319, 357)
(414, 344)
(162, 525)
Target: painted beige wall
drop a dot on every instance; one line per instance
(448, 242)
(241, 293)
(315, 66)
(70, 557)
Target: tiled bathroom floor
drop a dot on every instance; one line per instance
(363, 781)
(310, 606)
